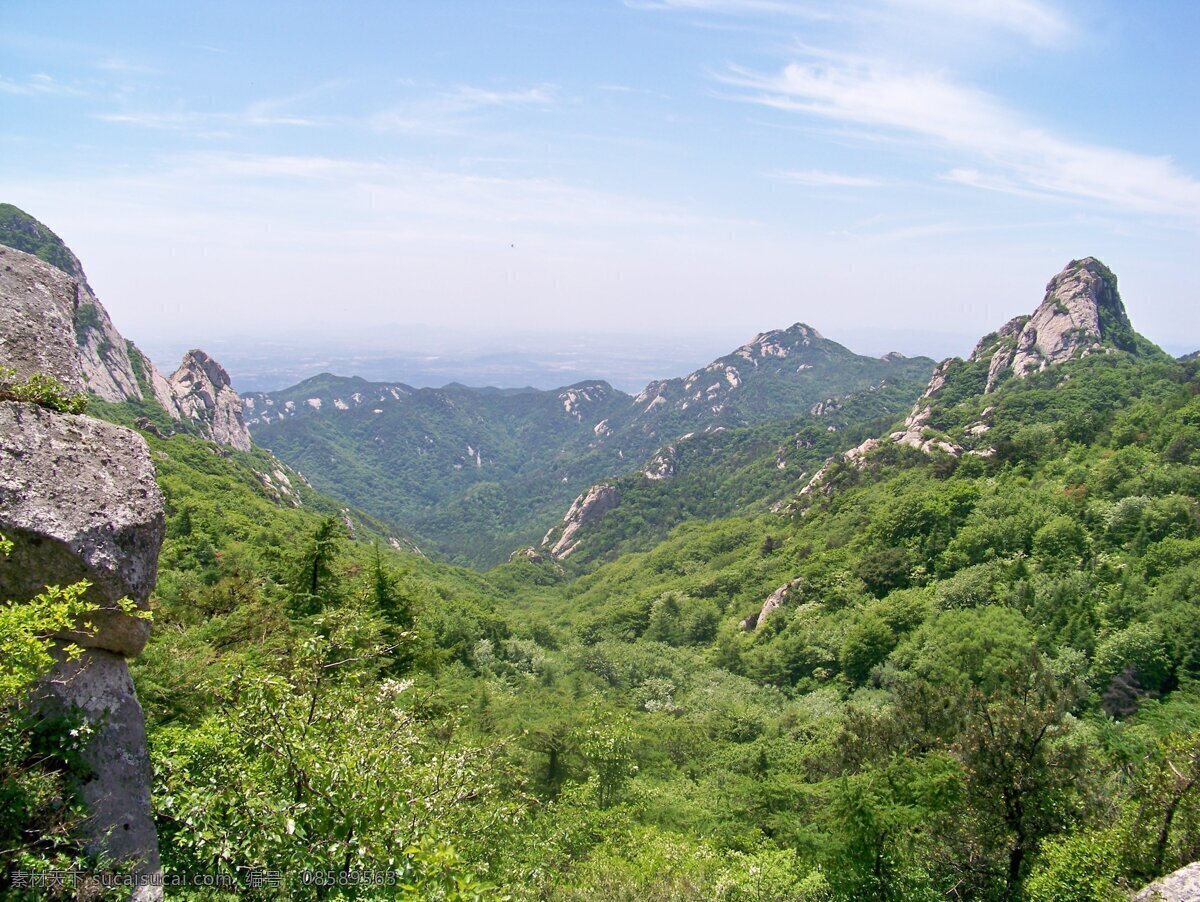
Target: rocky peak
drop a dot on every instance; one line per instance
(587, 508)
(1081, 313)
(51, 322)
(204, 395)
(104, 358)
(778, 342)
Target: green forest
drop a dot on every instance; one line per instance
(918, 674)
(820, 651)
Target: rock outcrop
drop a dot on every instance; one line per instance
(42, 283)
(1080, 314)
(204, 395)
(587, 508)
(1181, 886)
(78, 500)
(97, 685)
(774, 601)
(103, 356)
(913, 433)
(37, 315)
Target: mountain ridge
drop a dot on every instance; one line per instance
(452, 459)
(111, 368)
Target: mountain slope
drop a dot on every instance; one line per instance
(721, 472)
(198, 397)
(474, 473)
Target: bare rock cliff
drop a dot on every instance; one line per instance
(52, 322)
(587, 508)
(37, 316)
(203, 394)
(104, 358)
(1081, 313)
(78, 499)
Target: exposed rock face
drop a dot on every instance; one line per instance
(914, 424)
(587, 508)
(103, 357)
(1081, 311)
(662, 465)
(204, 395)
(79, 501)
(774, 600)
(52, 322)
(37, 310)
(117, 796)
(1181, 886)
(78, 498)
(1081, 314)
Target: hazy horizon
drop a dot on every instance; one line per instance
(672, 166)
(432, 357)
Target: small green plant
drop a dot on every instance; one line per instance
(40, 389)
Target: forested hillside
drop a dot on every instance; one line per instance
(948, 655)
(473, 474)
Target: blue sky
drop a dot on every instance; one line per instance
(915, 169)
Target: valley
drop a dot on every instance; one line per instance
(802, 624)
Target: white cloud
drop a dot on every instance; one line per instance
(1036, 21)
(471, 97)
(964, 121)
(39, 84)
(737, 7)
(452, 111)
(820, 178)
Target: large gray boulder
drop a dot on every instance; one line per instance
(1181, 886)
(37, 310)
(115, 787)
(79, 500)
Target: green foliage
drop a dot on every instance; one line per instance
(981, 682)
(317, 770)
(21, 231)
(39, 812)
(87, 319)
(40, 389)
(1081, 867)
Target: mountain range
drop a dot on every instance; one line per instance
(472, 474)
(813, 626)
